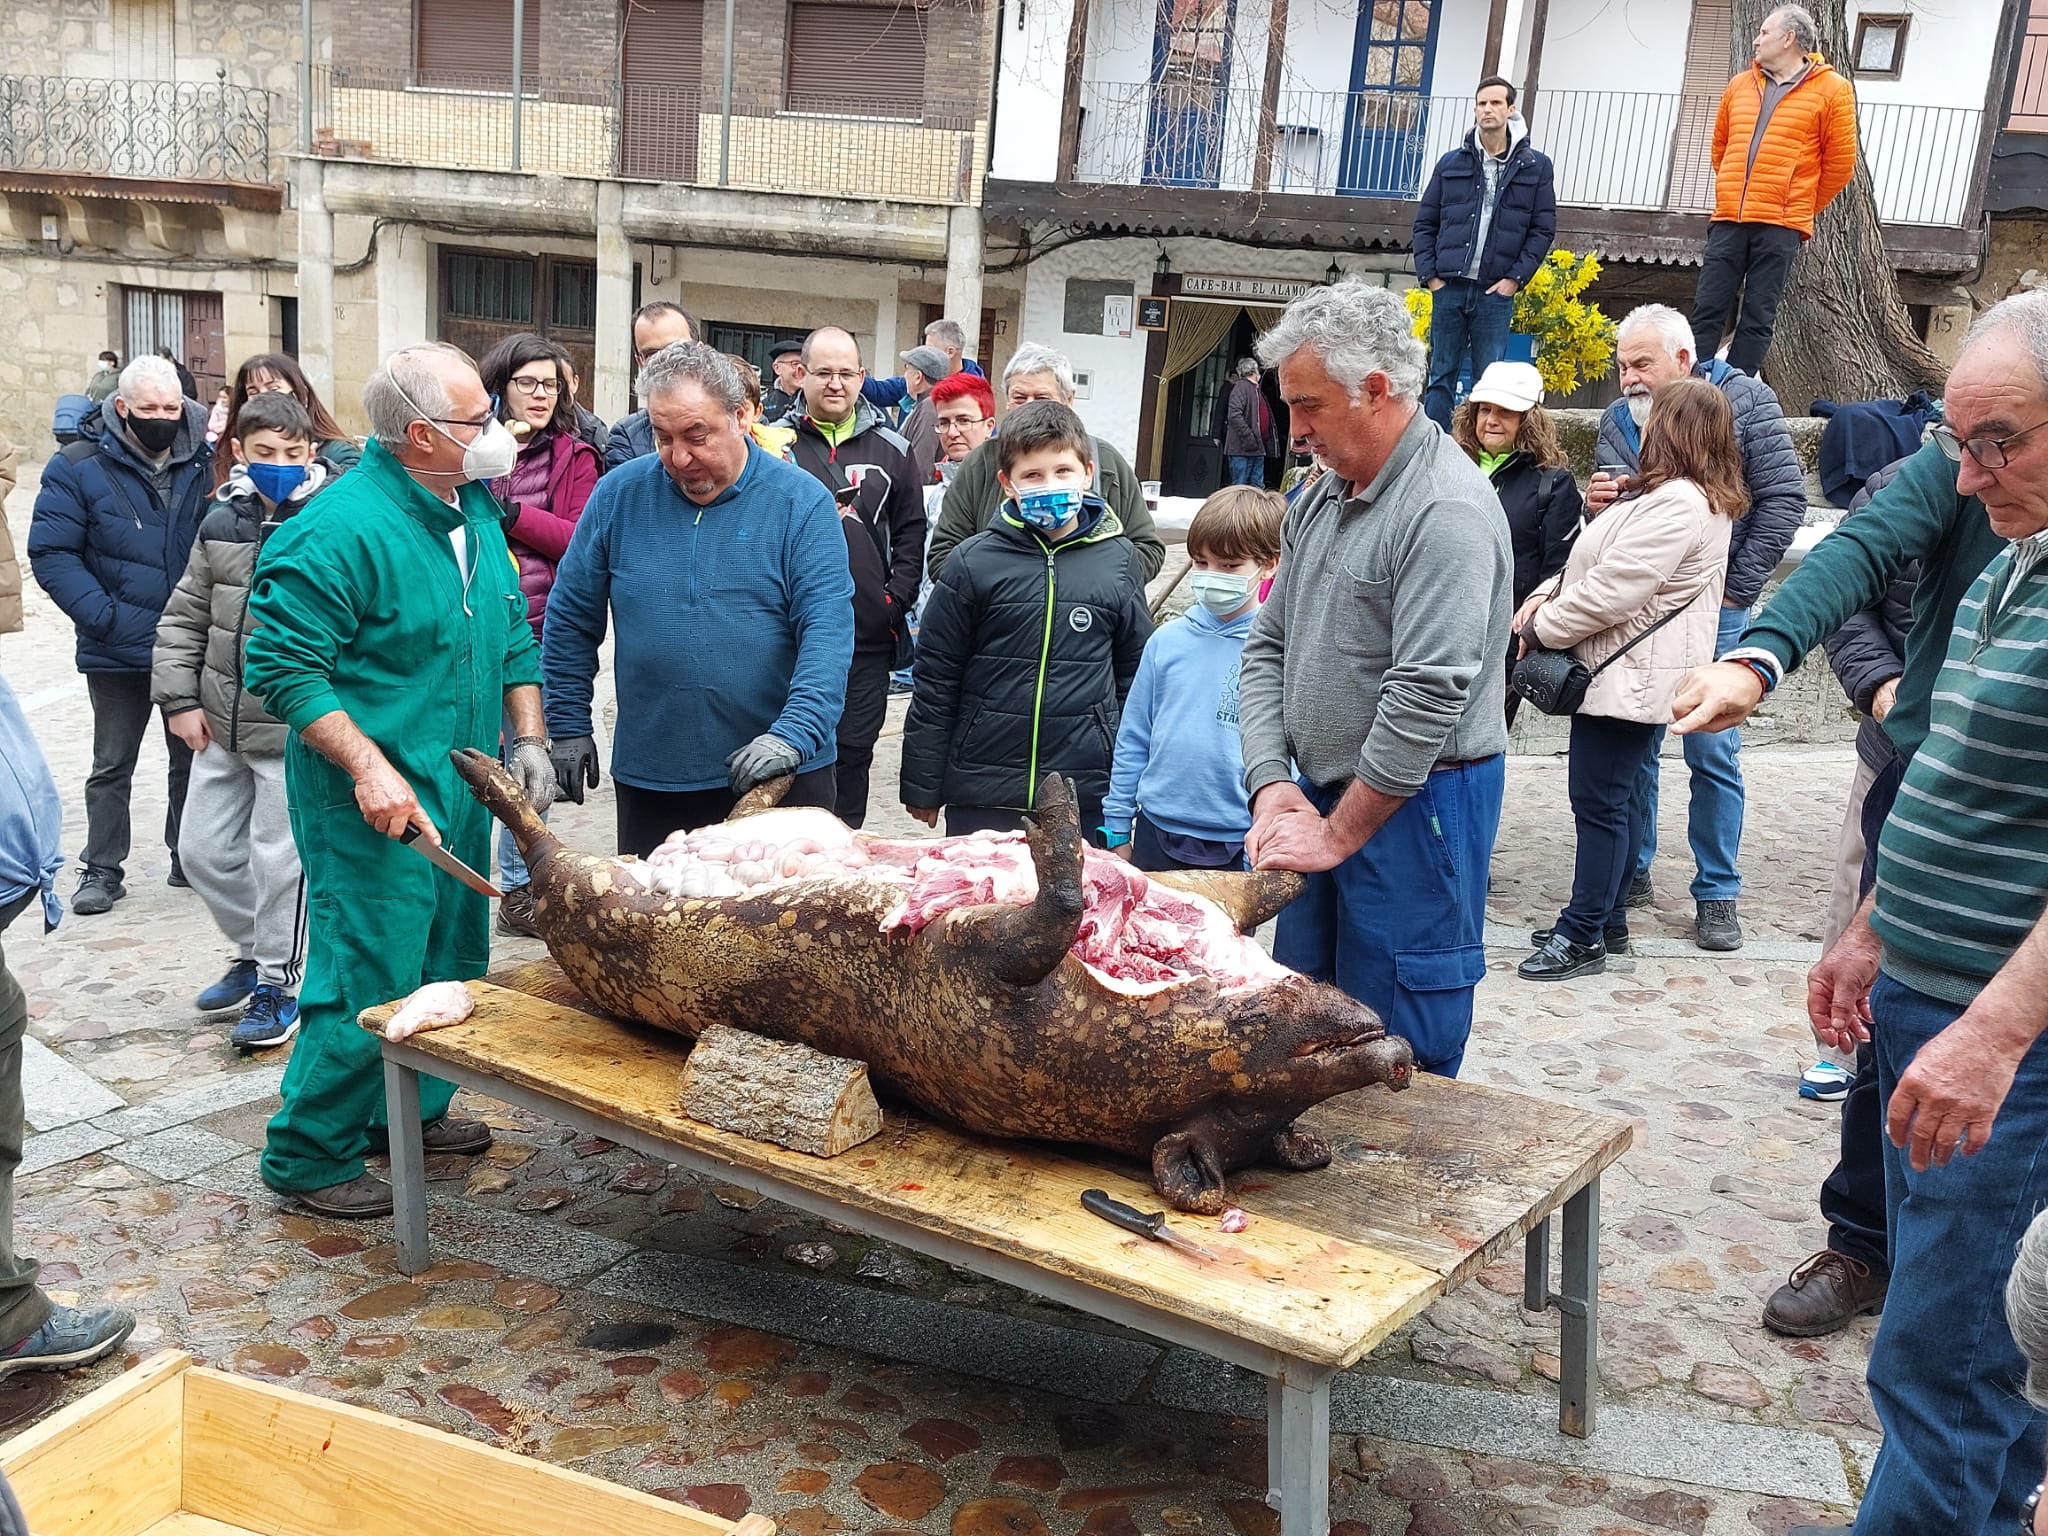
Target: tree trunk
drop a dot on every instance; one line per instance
(1843, 332)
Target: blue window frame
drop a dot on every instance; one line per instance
(1189, 104)
(1386, 121)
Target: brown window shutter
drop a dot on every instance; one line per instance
(662, 72)
(467, 44)
(1699, 101)
(2030, 87)
(856, 60)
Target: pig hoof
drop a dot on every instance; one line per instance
(1298, 1150)
(1188, 1175)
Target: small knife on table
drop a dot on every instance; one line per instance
(435, 854)
(1150, 1224)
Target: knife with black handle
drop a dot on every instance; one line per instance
(1150, 1224)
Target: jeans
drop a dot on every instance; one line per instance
(1852, 1198)
(1755, 259)
(1464, 319)
(1605, 763)
(1714, 825)
(647, 816)
(1962, 1446)
(120, 715)
(1244, 469)
(23, 1306)
(1400, 924)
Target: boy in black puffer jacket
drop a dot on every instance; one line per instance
(1029, 641)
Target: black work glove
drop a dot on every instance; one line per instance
(575, 760)
(763, 758)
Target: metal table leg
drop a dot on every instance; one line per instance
(1578, 1304)
(408, 1167)
(1298, 1448)
(1536, 1267)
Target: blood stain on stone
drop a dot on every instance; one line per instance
(547, 1378)
(903, 1490)
(479, 1405)
(332, 1245)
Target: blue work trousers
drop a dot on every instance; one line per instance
(1465, 323)
(1400, 925)
(1714, 822)
(1962, 1446)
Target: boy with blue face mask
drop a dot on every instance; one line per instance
(236, 840)
(1176, 794)
(1029, 641)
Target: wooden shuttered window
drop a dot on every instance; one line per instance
(856, 60)
(467, 44)
(1706, 77)
(662, 76)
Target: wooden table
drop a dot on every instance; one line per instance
(1425, 1189)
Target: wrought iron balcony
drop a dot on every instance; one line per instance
(152, 130)
(927, 151)
(1610, 149)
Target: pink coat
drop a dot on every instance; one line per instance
(1631, 565)
(539, 535)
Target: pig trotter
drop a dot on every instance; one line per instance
(1298, 1150)
(764, 796)
(1188, 1173)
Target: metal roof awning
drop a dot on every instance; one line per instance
(136, 189)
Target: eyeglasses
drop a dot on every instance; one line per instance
(1989, 452)
(468, 421)
(834, 375)
(526, 386)
(961, 423)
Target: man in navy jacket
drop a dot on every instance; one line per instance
(112, 528)
(1483, 227)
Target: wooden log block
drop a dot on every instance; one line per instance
(773, 1090)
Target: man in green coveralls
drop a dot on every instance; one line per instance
(387, 629)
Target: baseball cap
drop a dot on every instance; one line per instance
(929, 361)
(1512, 386)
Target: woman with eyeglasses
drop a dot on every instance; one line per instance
(278, 373)
(528, 377)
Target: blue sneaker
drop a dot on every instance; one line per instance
(230, 990)
(70, 1336)
(1825, 1082)
(270, 1019)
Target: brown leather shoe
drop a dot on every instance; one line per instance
(447, 1134)
(1823, 1295)
(364, 1195)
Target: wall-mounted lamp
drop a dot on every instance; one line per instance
(1335, 275)
(1164, 265)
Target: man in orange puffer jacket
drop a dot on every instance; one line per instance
(1784, 145)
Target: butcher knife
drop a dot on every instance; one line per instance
(1150, 1224)
(433, 853)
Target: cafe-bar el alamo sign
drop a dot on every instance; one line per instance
(1245, 290)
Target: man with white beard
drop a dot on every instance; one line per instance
(1654, 346)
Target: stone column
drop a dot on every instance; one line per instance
(404, 273)
(963, 274)
(884, 364)
(612, 390)
(316, 280)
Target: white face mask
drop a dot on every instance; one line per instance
(487, 456)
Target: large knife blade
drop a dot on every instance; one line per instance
(434, 854)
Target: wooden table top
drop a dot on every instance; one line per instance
(1424, 1189)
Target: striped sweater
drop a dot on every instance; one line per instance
(1962, 868)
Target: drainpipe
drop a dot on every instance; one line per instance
(518, 86)
(725, 99)
(305, 77)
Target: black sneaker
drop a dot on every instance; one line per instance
(515, 913)
(176, 879)
(1640, 893)
(96, 893)
(1559, 959)
(1714, 926)
(1616, 939)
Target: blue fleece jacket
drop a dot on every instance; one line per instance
(730, 619)
(1178, 754)
(31, 815)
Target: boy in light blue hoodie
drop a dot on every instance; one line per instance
(1176, 792)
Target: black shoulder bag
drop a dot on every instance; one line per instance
(1556, 681)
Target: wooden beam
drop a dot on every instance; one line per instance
(1490, 61)
(2012, 21)
(1539, 23)
(1269, 90)
(1149, 449)
(1070, 98)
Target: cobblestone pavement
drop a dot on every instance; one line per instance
(681, 1336)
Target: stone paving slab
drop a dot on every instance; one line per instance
(55, 1093)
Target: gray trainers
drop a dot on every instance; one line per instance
(70, 1336)
(1714, 926)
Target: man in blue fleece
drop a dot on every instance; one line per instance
(724, 575)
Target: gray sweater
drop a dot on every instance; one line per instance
(1378, 654)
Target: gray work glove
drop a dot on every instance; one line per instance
(533, 771)
(763, 758)
(575, 764)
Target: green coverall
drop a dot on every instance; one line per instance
(360, 605)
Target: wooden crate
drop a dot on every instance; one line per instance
(175, 1449)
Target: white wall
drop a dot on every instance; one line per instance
(1029, 87)
(1949, 46)
(1116, 364)
(1920, 131)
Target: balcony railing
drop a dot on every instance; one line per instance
(608, 128)
(150, 129)
(1611, 149)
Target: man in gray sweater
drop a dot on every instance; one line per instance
(1374, 667)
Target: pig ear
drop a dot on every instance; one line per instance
(764, 796)
(1246, 899)
(1188, 1173)
(1021, 946)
